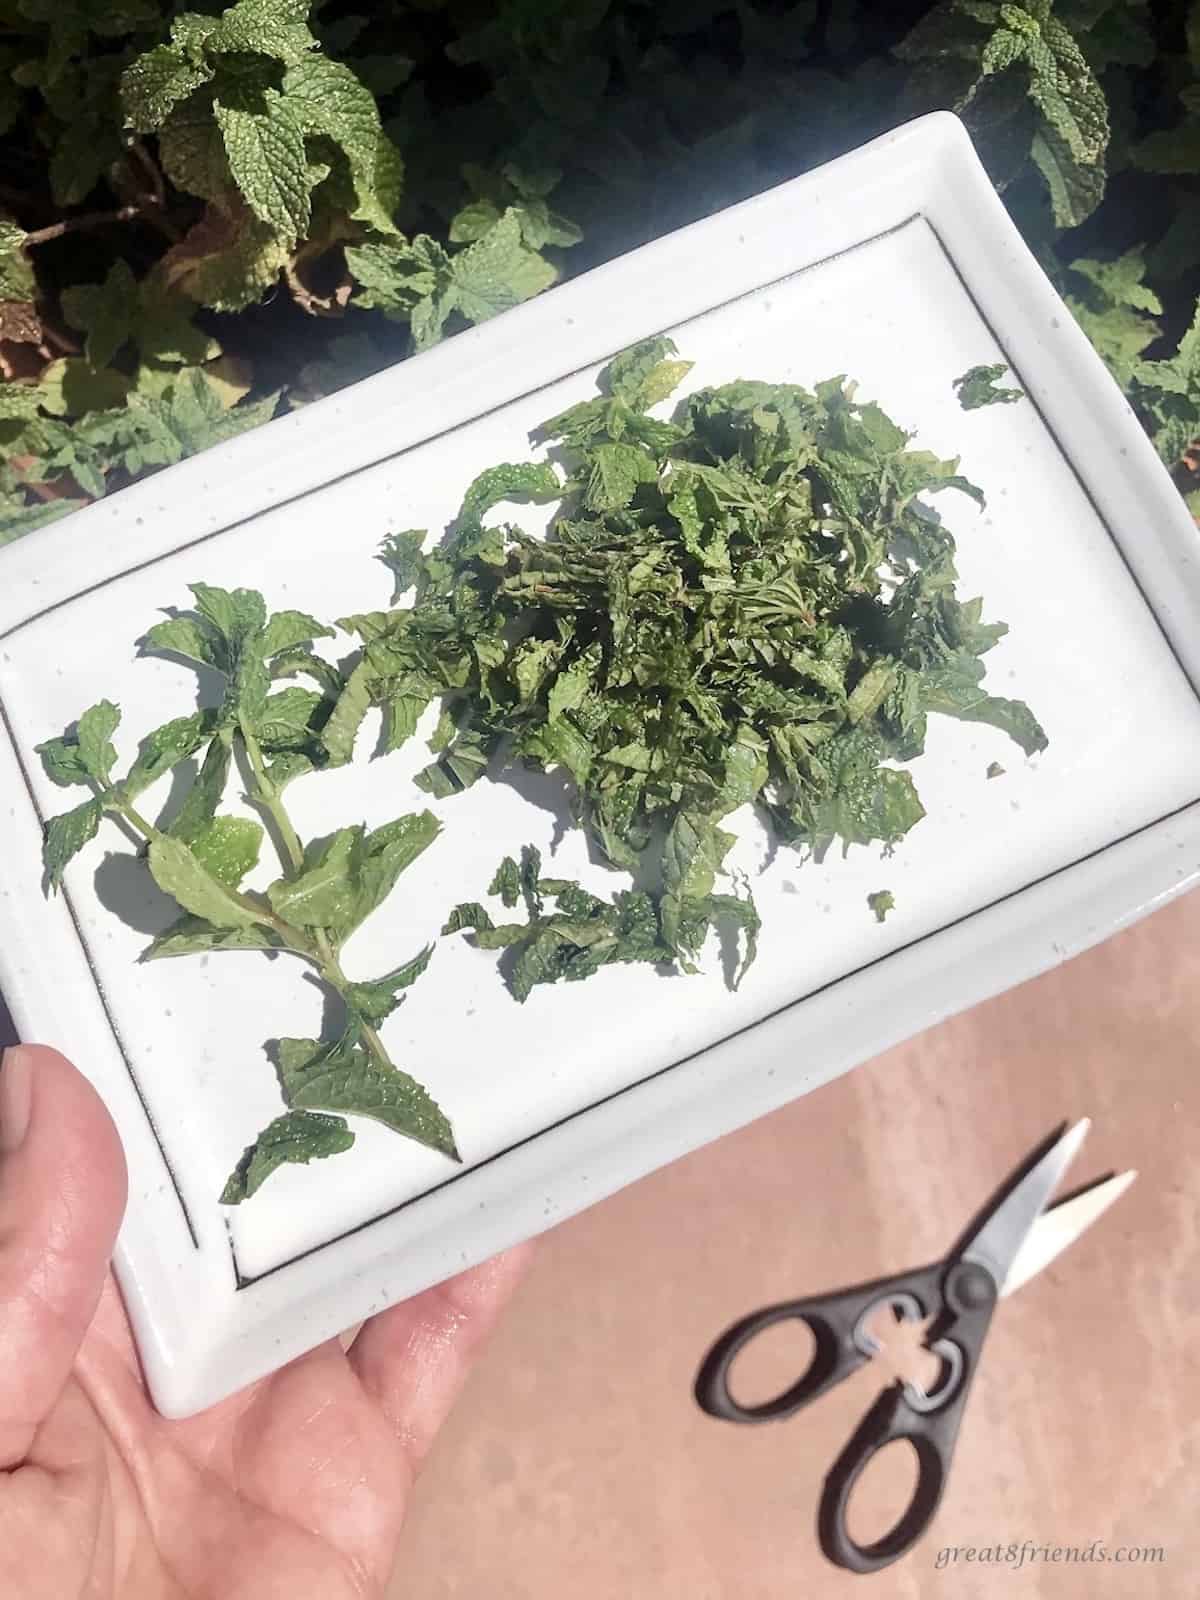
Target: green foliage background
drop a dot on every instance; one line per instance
(207, 215)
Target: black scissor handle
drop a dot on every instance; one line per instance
(930, 1423)
(836, 1322)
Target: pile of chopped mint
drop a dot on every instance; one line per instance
(750, 604)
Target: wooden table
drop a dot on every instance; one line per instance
(578, 1465)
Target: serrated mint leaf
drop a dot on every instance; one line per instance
(297, 1136)
(980, 386)
(328, 99)
(299, 662)
(387, 852)
(179, 872)
(407, 281)
(324, 893)
(276, 28)
(498, 271)
(105, 311)
(154, 84)
(264, 144)
(165, 748)
(96, 728)
(955, 690)
(236, 614)
(63, 761)
(286, 719)
(65, 837)
(521, 480)
(183, 636)
(192, 151)
(228, 848)
(205, 795)
(375, 1001)
(286, 629)
(626, 375)
(191, 936)
(346, 718)
(366, 1089)
(616, 472)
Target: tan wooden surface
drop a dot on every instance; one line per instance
(577, 1464)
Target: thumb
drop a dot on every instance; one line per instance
(62, 1194)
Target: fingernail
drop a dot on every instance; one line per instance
(16, 1097)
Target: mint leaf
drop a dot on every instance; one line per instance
(387, 852)
(228, 848)
(191, 936)
(264, 144)
(205, 795)
(322, 895)
(106, 311)
(363, 1088)
(346, 718)
(328, 99)
(165, 748)
(375, 1001)
(96, 728)
(65, 837)
(287, 719)
(154, 84)
(285, 629)
(881, 902)
(498, 271)
(521, 480)
(980, 386)
(179, 872)
(295, 1137)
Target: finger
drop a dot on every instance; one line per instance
(62, 1193)
(414, 1359)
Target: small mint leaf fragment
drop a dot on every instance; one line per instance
(881, 902)
(979, 386)
(66, 836)
(295, 1137)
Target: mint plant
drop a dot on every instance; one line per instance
(211, 213)
(200, 857)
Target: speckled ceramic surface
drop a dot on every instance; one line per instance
(896, 265)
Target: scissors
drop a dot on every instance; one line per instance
(1002, 1249)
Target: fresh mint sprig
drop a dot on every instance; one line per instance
(326, 890)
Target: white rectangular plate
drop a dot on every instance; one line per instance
(896, 265)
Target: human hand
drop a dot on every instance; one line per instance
(296, 1486)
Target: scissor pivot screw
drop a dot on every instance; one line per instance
(970, 1287)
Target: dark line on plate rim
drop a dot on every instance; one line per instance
(103, 998)
(694, 1055)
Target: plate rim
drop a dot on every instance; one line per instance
(930, 166)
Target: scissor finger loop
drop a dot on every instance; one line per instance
(954, 1364)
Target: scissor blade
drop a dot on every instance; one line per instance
(1055, 1230)
(996, 1244)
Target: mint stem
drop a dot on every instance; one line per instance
(268, 798)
